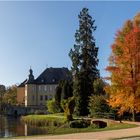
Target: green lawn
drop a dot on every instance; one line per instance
(55, 124)
(60, 131)
(65, 130)
(89, 129)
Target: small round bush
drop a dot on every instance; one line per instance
(79, 124)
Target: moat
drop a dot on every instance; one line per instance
(12, 127)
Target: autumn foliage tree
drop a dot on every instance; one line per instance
(124, 67)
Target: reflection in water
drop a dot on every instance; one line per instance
(10, 126)
(26, 134)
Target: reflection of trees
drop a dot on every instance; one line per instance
(13, 127)
(35, 130)
(10, 126)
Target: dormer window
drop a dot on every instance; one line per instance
(42, 80)
(53, 80)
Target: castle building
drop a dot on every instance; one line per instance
(35, 92)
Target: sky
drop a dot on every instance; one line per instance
(41, 34)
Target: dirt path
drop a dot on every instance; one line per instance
(102, 135)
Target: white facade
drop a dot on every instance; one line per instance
(36, 95)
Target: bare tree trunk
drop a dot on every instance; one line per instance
(133, 116)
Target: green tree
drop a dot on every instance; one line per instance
(68, 107)
(52, 106)
(98, 105)
(2, 91)
(98, 101)
(63, 92)
(84, 62)
(98, 87)
(58, 96)
(66, 90)
(10, 95)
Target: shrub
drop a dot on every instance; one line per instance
(68, 107)
(97, 105)
(52, 106)
(79, 124)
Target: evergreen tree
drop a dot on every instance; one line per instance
(58, 96)
(99, 87)
(84, 62)
(63, 92)
(2, 92)
(66, 90)
(98, 105)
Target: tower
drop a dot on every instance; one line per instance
(30, 77)
(30, 90)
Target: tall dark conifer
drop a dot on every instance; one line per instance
(84, 62)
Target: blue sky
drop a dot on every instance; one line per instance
(40, 34)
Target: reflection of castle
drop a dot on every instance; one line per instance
(35, 92)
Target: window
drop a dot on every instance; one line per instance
(53, 80)
(42, 88)
(41, 97)
(46, 97)
(42, 80)
(39, 88)
(33, 89)
(50, 97)
(45, 87)
(33, 98)
(50, 88)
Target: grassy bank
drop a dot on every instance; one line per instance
(58, 131)
(56, 124)
(44, 120)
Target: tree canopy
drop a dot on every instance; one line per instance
(84, 62)
(125, 69)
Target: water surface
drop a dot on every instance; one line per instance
(12, 126)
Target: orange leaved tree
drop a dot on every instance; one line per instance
(124, 67)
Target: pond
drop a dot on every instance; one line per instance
(12, 127)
